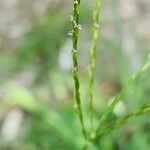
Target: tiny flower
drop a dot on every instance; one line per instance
(76, 2)
(79, 27)
(70, 33)
(75, 51)
(71, 18)
(75, 24)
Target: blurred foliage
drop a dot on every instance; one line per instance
(40, 46)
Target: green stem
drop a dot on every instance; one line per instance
(122, 93)
(124, 120)
(75, 33)
(93, 56)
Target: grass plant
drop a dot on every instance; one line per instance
(102, 128)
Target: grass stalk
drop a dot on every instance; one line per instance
(96, 17)
(121, 94)
(75, 32)
(101, 131)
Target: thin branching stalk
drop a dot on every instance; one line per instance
(120, 122)
(96, 16)
(101, 131)
(75, 32)
(122, 93)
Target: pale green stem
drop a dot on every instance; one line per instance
(75, 33)
(96, 16)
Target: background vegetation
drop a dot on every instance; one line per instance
(36, 87)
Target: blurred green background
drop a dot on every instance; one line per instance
(36, 87)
